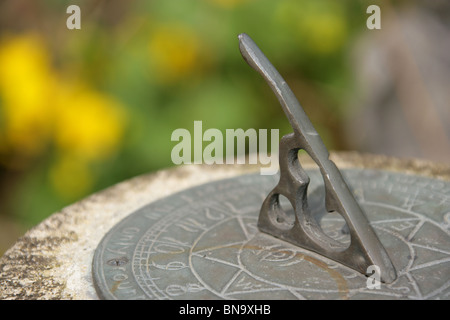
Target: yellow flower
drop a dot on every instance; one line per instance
(39, 107)
(26, 85)
(88, 128)
(175, 52)
(88, 124)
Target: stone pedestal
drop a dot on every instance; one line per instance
(53, 260)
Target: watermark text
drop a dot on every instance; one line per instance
(228, 149)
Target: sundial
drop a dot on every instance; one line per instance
(323, 233)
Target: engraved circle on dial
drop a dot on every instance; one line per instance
(203, 243)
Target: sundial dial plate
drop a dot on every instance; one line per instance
(203, 243)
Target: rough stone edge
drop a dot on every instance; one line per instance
(53, 259)
(407, 165)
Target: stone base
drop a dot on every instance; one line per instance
(53, 260)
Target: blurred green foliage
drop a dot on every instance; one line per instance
(84, 109)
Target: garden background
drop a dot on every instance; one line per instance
(83, 109)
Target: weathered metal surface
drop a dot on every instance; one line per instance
(203, 243)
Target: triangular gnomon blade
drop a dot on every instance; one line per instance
(365, 248)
